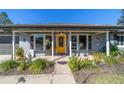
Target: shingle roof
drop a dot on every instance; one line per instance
(87, 26)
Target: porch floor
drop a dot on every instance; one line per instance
(4, 58)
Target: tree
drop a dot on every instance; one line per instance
(4, 19)
(121, 19)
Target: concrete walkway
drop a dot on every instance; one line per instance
(61, 75)
(4, 57)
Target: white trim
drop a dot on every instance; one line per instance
(52, 45)
(34, 42)
(70, 44)
(98, 33)
(44, 40)
(77, 44)
(120, 34)
(13, 45)
(8, 34)
(120, 45)
(58, 31)
(66, 44)
(107, 44)
(87, 42)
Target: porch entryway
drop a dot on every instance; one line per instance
(61, 43)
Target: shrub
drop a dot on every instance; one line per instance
(19, 54)
(88, 64)
(74, 63)
(22, 66)
(121, 59)
(115, 53)
(111, 60)
(9, 64)
(98, 57)
(38, 65)
(114, 47)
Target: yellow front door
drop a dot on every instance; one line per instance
(61, 43)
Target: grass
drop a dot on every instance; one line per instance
(107, 79)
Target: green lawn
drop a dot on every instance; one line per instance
(107, 79)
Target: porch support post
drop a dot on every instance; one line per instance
(13, 45)
(87, 38)
(52, 45)
(34, 42)
(70, 45)
(44, 41)
(107, 44)
(77, 44)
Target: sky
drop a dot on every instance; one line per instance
(64, 16)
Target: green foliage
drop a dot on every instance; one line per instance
(114, 47)
(120, 21)
(88, 64)
(9, 64)
(4, 19)
(98, 56)
(114, 51)
(76, 63)
(22, 66)
(38, 65)
(19, 54)
(111, 60)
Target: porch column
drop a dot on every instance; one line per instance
(70, 45)
(44, 41)
(77, 44)
(87, 38)
(52, 45)
(34, 42)
(107, 44)
(13, 45)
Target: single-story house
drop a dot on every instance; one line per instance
(59, 39)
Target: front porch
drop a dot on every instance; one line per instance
(51, 44)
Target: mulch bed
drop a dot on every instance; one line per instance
(83, 76)
(26, 72)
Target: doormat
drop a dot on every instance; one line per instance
(62, 62)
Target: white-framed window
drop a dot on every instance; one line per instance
(84, 41)
(74, 42)
(120, 40)
(39, 41)
(48, 42)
